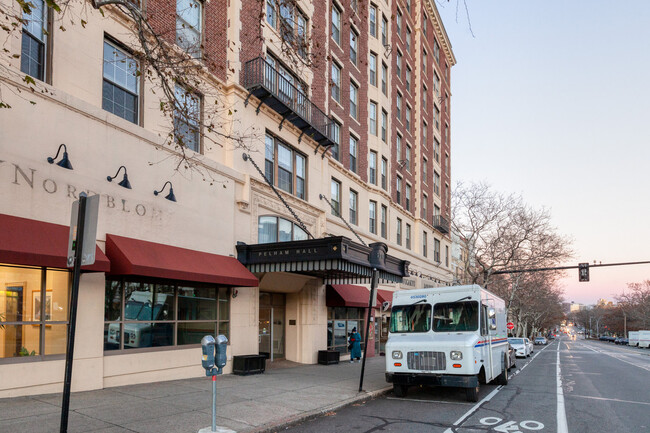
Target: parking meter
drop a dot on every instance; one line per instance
(221, 345)
(207, 359)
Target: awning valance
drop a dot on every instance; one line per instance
(137, 257)
(335, 259)
(347, 295)
(36, 243)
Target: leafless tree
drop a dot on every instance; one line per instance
(636, 305)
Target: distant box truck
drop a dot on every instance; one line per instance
(633, 338)
(447, 336)
(644, 339)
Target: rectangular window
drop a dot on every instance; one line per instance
(436, 149)
(408, 236)
(340, 323)
(425, 20)
(447, 255)
(372, 217)
(354, 101)
(384, 173)
(284, 167)
(424, 97)
(373, 21)
(354, 46)
(436, 250)
(354, 198)
(424, 244)
(424, 62)
(33, 311)
(425, 134)
(436, 210)
(372, 168)
(384, 125)
(398, 105)
(447, 163)
(272, 13)
(187, 119)
(398, 190)
(408, 40)
(408, 118)
(425, 205)
(398, 65)
(372, 64)
(447, 197)
(189, 14)
(436, 51)
(425, 169)
(436, 83)
(408, 157)
(398, 23)
(336, 134)
(384, 78)
(408, 197)
(408, 5)
(373, 118)
(398, 147)
(436, 183)
(336, 82)
(384, 215)
(34, 40)
(353, 153)
(336, 24)
(335, 197)
(384, 30)
(408, 79)
(158, 313)
(436, 116)
(120, 84)
(399, 231)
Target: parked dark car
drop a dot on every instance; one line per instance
(512, 357)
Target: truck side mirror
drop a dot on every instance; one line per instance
(492, 315)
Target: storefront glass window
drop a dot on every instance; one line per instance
(340, 323)
(33, 311)
(153, 314)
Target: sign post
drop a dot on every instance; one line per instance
(374, 282)
(81, 250)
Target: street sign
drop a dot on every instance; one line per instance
(583, 272)
(510, 326)
(90, 232)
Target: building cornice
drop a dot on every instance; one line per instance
(445, 43)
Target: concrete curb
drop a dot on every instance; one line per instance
(304, 416)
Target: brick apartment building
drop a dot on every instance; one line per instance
(344, 112)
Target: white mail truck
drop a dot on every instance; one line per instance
(448, 336)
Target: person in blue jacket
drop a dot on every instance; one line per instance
(355, 342)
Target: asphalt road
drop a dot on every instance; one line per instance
(567, 386)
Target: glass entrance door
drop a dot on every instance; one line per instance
(271, 325)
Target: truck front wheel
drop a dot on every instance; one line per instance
(472, 393)
(400, 390)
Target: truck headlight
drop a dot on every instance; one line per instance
(397, 354)
(456, 355)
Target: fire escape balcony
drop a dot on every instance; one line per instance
(272, 88)
(441, 224)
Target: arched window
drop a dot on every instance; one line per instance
(275, 229)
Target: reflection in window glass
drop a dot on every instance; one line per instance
(340, 323)
(455, 316)
(284, 230)
(267, 230)
(276, 229)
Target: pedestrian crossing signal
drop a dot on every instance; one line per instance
(583, 272)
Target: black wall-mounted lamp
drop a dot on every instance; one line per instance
(65, 162)
(125, 180)
(170, 196)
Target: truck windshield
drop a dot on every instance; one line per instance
(455, 316)
(410, 318)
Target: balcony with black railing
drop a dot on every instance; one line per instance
(272, 88)
(441, 223)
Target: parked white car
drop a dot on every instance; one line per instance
(530, 346)
(519, 344)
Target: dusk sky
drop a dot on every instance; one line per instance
(551, 100)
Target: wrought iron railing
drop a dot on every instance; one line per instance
(258, 73)
(441, 223)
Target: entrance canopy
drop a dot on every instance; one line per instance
(334, 259)
(136, 257)
(36, 243)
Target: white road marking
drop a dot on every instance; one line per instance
(561, 411)
(531, 425)
(611, 399)
(510, 426)
(645, 367)
(491, 420)
(422, 400)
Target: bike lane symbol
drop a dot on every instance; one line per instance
(511, 426)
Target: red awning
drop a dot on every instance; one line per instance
(136, 257)
(385, 296)
(347, 295)
(36, 243)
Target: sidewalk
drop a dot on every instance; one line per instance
(244, 403)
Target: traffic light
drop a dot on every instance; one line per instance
(583, 272)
